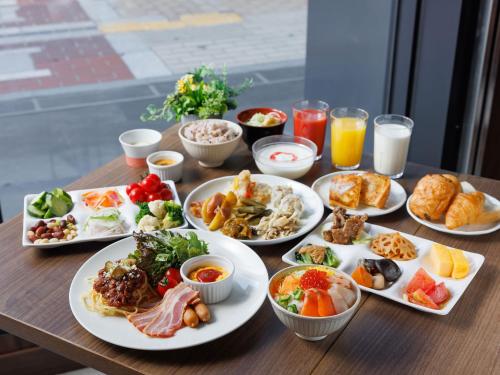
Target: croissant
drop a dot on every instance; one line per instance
(455, 181)
(468, 208)
(432, 195)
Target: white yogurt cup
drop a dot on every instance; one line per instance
(284, 155)
(166, 172)
(138, 144)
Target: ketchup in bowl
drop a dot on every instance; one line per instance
(208, 274)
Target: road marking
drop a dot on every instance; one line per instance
(25, 51)
(47, 28)
(24, 75)
(187, 20)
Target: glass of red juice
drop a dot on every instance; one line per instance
(310, 118)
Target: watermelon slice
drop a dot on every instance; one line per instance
(422, 281)
(420, 298)
(439, 294)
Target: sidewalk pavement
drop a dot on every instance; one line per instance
(61, 43)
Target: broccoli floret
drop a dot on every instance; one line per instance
(143, 211)
(174, 217)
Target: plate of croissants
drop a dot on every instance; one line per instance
(443, 203)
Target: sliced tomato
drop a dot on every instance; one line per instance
(439, 294)
(421, 280)
(420, 298)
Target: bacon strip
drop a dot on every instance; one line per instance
(165, 319)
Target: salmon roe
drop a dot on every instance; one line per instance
(314, 279)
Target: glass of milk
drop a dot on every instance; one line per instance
(392, 140)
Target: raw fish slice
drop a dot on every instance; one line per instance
(310, 307)
(325, 304)
(346, 293)
(338, 301)
(337, 279)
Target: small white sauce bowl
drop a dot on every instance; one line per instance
(213, 292)
(138, 144)
(166, 172)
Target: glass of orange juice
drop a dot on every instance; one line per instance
(348, 136)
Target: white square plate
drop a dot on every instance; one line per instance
(349, 255)
(128, 212)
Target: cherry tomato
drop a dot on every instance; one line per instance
(151, 185)
(174, 273)
(137, 195)
(163, 186)
(165, 284)
(166, 194)
(131, 187)
(153, 197)
(153, 177)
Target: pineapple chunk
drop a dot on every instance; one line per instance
(460, 264)
(442, 262)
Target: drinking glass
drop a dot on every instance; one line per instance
(310, 118)
(348, 136)
(392, 135)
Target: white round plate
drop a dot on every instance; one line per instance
(248, 294)
(313, 207)
(490, 203)
(397, 196)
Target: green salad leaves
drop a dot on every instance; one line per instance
(155, 253)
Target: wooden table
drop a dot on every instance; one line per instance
(383, 336)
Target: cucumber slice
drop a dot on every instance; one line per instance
(48, 214)
(61, 194)
(35, 211)
(39, 200)
(57, 206)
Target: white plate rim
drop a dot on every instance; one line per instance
(27, 198)
(318, 214)
(79, 275)
(350, 211)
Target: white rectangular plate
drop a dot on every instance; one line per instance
(349, 255)
(128, 212)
